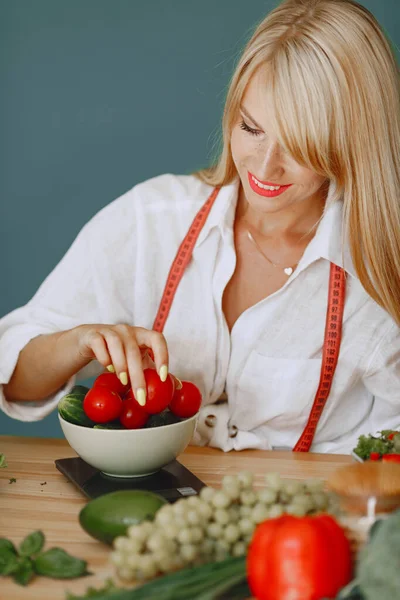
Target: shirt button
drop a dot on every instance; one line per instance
(232, 431)
(210, 420)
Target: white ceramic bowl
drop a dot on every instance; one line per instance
(129, 452)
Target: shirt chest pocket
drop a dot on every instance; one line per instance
(278, 392)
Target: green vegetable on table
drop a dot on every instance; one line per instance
(377, 570)
(225, 580)
(107, 591)
(110, 515)
(3, 462)
(381, 444)
(29, 560)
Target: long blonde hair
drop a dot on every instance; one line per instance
(334, 84)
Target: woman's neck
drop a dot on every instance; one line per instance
(295, 222)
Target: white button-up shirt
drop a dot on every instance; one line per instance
(268, 366)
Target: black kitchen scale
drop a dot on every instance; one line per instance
(173, 481)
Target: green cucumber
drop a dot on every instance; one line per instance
(111, 425)
(70, 407)
(79, 389)
(166, 417)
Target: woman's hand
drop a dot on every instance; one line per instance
(126, 351)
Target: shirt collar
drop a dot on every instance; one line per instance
(222, 213)
(329, 241)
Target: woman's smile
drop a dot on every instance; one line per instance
(266, 188)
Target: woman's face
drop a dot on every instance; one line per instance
(261, 163)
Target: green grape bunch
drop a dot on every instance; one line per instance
(212, 526)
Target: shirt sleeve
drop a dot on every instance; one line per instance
(382, 379)
(66, 299)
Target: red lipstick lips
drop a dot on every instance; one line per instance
(262, 191)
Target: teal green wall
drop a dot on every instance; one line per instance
(95, 96)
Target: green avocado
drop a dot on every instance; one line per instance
(109, 516)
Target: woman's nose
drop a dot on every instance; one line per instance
(270, 166)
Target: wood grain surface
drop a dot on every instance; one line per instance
(42, 498)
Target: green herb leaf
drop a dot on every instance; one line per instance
(3, 462)
(32, 544)
(5, 544)
(12, 480)
(109, 589)
(368, 444)
(24, 572)
(8, 557)
(8, 562)
(58, 564)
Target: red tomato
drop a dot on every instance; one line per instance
(186, 401)
(301, 558)
(374, 456)
(159, 393)
(391, 458)
(391, 435)
(111, 381)
(102, 405)
(133, 415)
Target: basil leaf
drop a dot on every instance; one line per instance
(24, 572)
(32, 544)
(5, 544)
(8, 561)
(59, 564)
(3, 462)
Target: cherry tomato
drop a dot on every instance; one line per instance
(159, 393)
(374, 456)
(133, 416)
(186, 401)
(102, 405)
(111, 381)
(391, 435)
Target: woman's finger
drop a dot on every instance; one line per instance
(158, 344)
(98, 346)
(135, 368)
(116, 350)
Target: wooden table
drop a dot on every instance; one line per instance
(42, 498)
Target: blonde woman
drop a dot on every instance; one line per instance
(272, 277)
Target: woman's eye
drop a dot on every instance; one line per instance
(250, 130)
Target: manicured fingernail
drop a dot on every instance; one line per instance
(141, 396)
(111, 369)
(164, 373)
(178, 383)
(123, 377)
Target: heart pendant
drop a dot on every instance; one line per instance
(288, 271)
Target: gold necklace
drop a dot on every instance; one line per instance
(287, 270)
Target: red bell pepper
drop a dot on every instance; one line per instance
(298, 558)
(391, 458)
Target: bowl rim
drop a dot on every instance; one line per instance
(187, 420)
